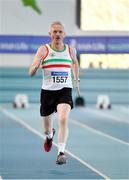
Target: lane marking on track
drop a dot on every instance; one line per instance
(123, 109)
(20, 121)
(102, 114)
(98, 132)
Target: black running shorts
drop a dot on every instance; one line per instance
(50, 99)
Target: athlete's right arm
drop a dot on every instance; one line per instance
(39, 56)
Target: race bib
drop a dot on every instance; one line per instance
(59, 77)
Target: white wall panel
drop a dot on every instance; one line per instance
(22, 20)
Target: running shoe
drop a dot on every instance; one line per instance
(48, 142)
(61, 159)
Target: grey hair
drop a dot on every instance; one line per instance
(55, 23)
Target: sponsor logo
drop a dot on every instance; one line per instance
(52, 54)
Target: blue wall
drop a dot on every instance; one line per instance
(83, 44)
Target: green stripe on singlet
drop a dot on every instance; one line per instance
(57, 60)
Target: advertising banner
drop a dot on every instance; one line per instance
(83, 44)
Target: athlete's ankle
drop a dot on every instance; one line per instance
(61, 147)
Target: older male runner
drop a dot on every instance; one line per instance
(56, 59)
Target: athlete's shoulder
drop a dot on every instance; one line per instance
(72, 47)
(73, 53)
(43, 48)
(72, 50)
(42, 51)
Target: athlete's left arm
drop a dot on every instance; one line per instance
(75, 69)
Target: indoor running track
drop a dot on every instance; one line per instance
(98, 145)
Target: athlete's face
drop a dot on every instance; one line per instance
(57, 33)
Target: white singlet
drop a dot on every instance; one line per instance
(56, 69)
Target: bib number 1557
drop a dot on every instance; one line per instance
(59, 79)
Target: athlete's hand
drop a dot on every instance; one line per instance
(76, 84)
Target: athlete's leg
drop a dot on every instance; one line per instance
(47, 124)
(49, 132)
(63, 114)
(63, 110)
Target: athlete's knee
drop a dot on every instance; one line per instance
(63, 120)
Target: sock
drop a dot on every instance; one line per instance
(49, 135)
(61, 148)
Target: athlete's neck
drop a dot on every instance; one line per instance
(58, 46)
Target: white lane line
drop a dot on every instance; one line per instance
(19, 120)
(123, 109)
(103, 114)
(98, 132)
